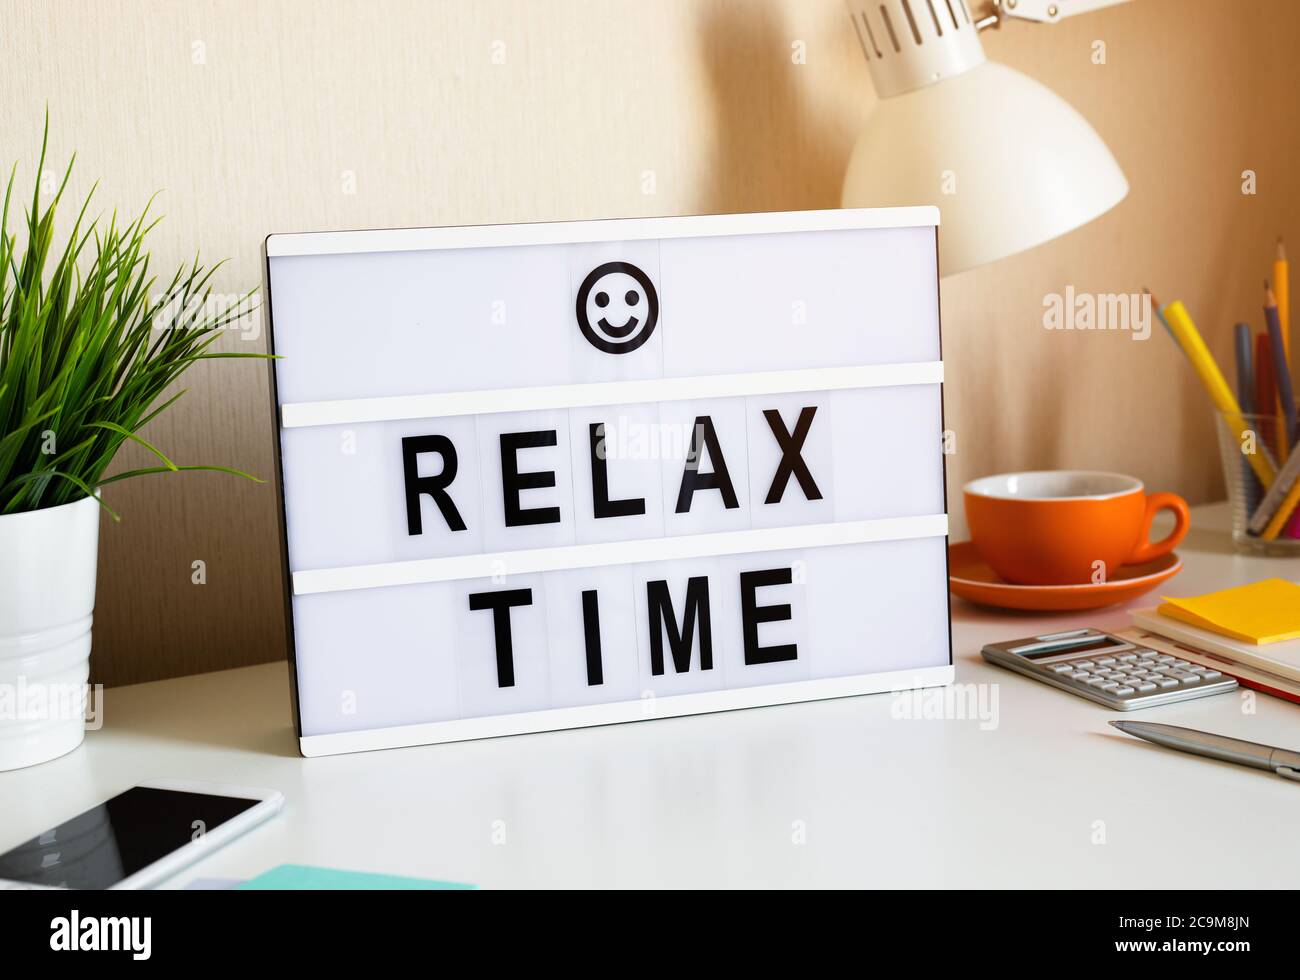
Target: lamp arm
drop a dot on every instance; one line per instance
(1041, 11)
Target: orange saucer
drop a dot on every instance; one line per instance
(972, 579)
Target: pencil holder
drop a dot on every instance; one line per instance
(1252, 449)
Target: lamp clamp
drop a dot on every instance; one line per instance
(1040, 11)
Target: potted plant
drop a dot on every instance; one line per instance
(90, 342)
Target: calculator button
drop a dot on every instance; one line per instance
(1181, 663)
(1209, 675)
(1062, 669)
(1083, 663)
(1127, 656)
(1097, 681)
(1190, 679)
(1147, 655)
(1109, 686)
(1080, 675)
(1146, 686)
(1164, 658)
(1168, 682)
(1105, 661)
(1123, 690)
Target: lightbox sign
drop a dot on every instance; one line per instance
(554, 475)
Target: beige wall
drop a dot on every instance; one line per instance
(592, 94)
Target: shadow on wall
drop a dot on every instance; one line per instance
(773, 148)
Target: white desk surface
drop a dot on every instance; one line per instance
(720, 800)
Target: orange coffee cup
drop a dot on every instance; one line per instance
(1067, 527)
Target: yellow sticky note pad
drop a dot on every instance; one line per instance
(1262, 612)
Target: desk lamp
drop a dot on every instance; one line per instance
(1009, 163)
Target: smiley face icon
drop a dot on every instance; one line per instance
(617, 307)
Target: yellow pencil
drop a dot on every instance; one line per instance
(1283, 514)
(1189, 338)
(1282, 289)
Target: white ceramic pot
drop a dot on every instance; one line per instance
(47, 594)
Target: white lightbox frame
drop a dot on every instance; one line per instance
(601, 393)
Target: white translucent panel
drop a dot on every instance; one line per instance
(888, 454)
(487, 686)
(817, 299)
(402, 323)
(375, 658)
(573, 679)
(708, 509)
(393, 323)
(345, 494)
(878, 607)
(872, 453)
(667, 676)
(550, 463)
(778, 650)
(602, 269)
(794, 503)
(632, 473)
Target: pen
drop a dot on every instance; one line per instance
(1281, 761)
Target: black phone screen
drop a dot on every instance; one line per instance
(116, 839)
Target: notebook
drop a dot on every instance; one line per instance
(1281, 659)
(1261, 613)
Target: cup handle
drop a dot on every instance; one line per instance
(1147, 550)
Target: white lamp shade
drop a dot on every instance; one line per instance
(1009, 164)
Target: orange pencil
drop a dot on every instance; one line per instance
(1282, 286)
(1282, 289)
(1281, 280)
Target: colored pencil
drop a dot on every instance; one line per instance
(1293, 529)
(1279, 502)
(1266, 391)
(1189, 338)
(1285, 394)
(1246, 399)
(1283, 514)
(1245, 376)
(1282, 288)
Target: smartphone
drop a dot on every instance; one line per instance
(138, 838)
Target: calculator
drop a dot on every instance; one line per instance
(1108, 669)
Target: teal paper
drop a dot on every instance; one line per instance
(302, 877)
